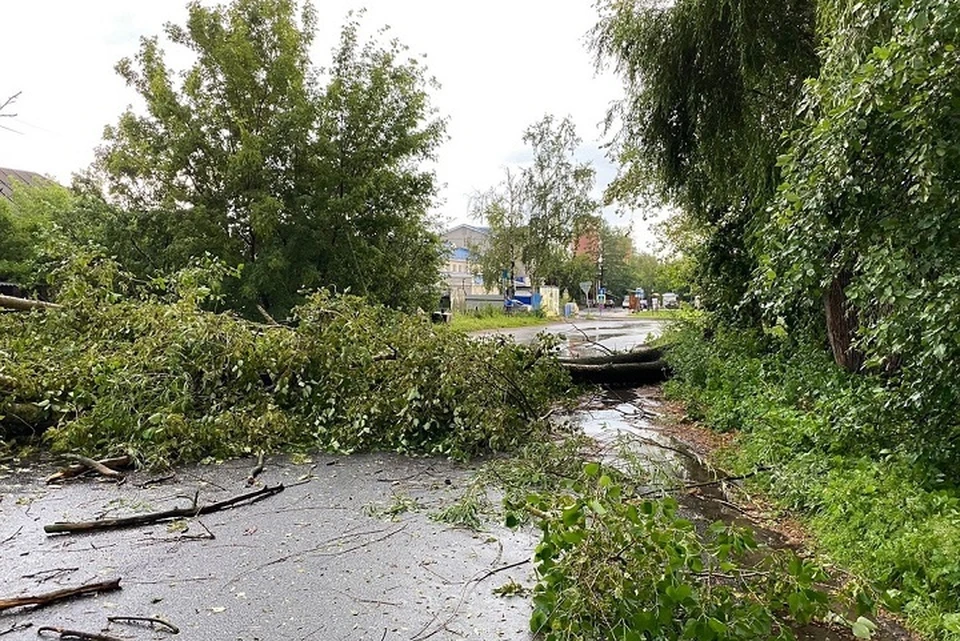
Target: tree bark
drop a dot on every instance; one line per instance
(842, 323)
(25, 304)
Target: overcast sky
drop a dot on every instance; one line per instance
(502, 65)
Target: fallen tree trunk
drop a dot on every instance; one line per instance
(621, 374)
(59, 595)
(25, 304)
(66, 527)
(639, 355)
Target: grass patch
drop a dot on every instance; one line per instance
(472, 322)
(661, 314)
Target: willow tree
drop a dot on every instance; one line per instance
(710, 87)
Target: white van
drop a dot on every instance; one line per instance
(671, 301)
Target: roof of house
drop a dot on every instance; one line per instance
(9, 176)
(479, 230)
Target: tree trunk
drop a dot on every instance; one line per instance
(842, 323)
(25, 304)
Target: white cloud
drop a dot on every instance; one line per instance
(502, 65)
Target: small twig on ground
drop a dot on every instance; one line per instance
(76, 634)
(174, 629)
(420, 636)
(503, 568)
(157, 480)
(50, 574)
(16, 627)
(590, 340)
(257, 469)
(166, 515)
(370, 601)
(12, 536)
(59, 595)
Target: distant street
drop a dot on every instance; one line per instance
(616, 330)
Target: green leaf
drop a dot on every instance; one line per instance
(863, 628)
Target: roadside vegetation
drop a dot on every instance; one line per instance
(492, 318)
(871, 477)
(810, 153)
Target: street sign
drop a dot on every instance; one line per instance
(585, 287)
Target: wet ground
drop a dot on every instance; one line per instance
(614, 330)
(322, 560)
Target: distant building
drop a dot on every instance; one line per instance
(9, 178)
(461, 270)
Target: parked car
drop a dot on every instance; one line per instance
(514, 305)
(671, 301)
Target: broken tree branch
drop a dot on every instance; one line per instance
(79, 468)
(65, 527)
(25, 304)
(95, 466)
(72, 471)
(77, 634)
(174, 629)
(59, 595)
(257, 469)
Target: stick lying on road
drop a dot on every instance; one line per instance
(77, 635)
(59, 595)
(71, 471)
(155, 517)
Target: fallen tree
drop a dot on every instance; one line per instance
(642, 366)
(129, 367)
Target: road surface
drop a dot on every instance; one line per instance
(615, 330)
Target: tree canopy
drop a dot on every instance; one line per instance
(536, 214)
(307, 177)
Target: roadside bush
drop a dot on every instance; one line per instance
(153, 371)
(841, 449)
(615, 566)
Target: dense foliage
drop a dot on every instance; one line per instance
(615, 565)
(126, 367)
(308, 177)
(812, 149)
(710, 88)
(842, 451)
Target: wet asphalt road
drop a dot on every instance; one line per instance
(317, 561)
(615, 330)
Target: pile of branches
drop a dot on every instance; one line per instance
(151, 371)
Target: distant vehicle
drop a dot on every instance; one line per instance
(671, 301)
(626, 302)
(514, 305)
